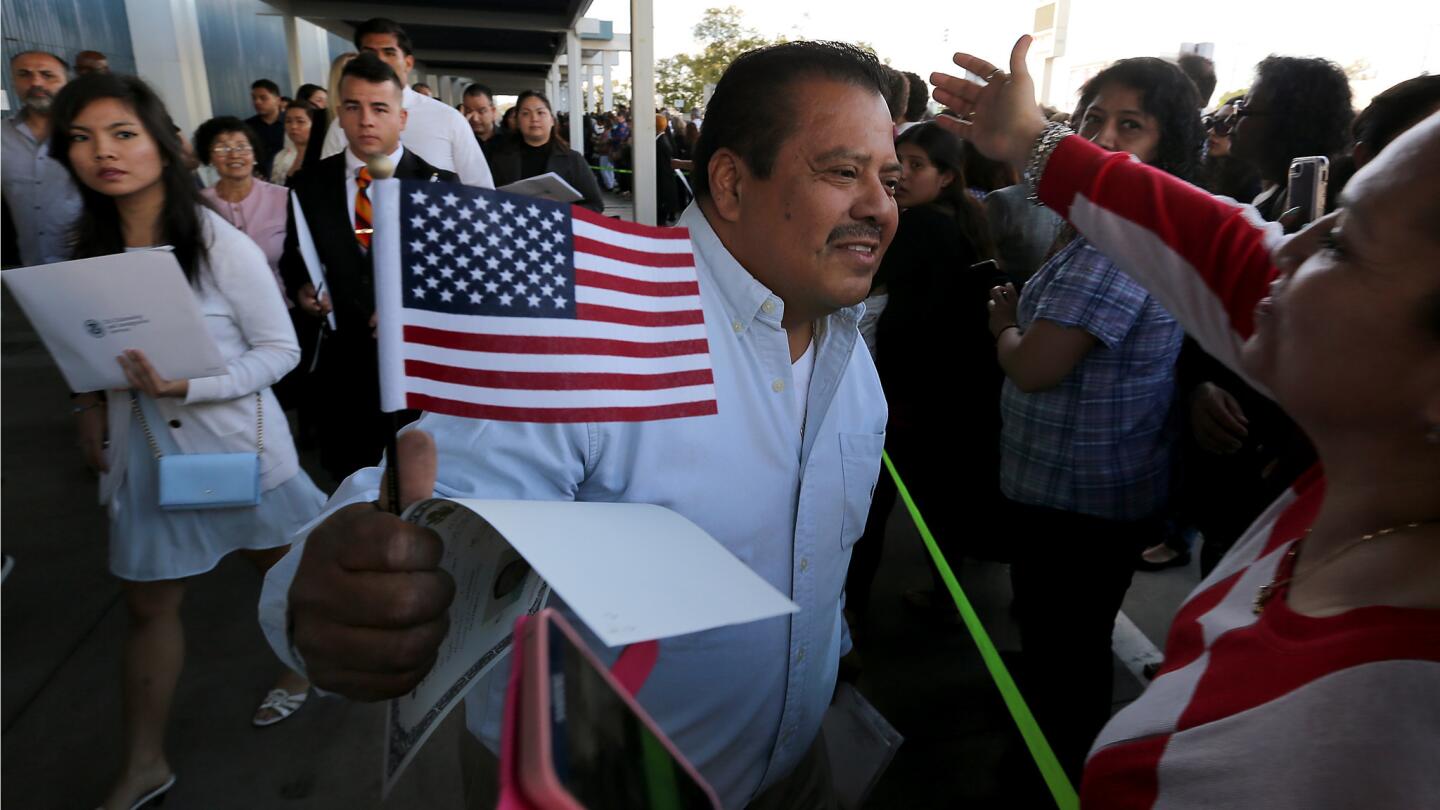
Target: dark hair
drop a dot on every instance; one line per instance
(1165, 93)
(206, 133)
(557, 140)
(919, 100)
(265, 84)
(478, 89)
(416, 87)
(98, 231)
(370, 68)
(306, 91)
(299, 104)
(63, 64)
(1201, 71)
(1308, 109)
(381, 25)
(1396, 110)
(749, 113)
(946, 152)
(896, 92)
(985, 174)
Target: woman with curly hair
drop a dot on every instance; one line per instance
(1086, 439)
(1244, 450)
(1296, 107)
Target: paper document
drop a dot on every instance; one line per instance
(88, 311)
(311, 256)
(631, 572)
(547, 186)
(634, 571)
(493, 588)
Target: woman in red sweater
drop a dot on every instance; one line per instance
(1304, 672)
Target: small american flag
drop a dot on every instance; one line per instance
(498, 306)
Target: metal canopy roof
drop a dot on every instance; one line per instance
(509, 44)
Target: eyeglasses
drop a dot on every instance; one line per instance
(232, 150)
(1242, 110)
(1218, 125)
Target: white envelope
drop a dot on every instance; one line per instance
(88, 311)
(547, 186)
(306, 242)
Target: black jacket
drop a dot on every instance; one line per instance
(569, 164)
(321, 191)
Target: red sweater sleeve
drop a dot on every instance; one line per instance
(1206, 259)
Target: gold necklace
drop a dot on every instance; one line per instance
(1267, 591)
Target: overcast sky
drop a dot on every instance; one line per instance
(1399, 38)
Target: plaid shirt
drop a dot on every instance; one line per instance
(1099, 442)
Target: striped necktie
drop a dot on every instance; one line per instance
(362, 208)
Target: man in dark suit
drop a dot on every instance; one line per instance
(334, 196)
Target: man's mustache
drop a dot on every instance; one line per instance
(855, 231)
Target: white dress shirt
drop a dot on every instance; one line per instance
(743, 703)
(438, 133)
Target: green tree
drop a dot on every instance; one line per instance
(681, 79)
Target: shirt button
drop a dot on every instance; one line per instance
(174, 423)
(804, 563)
(800, 656)
(778, 386)
(737, 326)
(767, 307)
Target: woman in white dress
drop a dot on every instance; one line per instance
(114, 136)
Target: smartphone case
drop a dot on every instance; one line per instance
(530, 695)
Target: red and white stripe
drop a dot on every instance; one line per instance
(635, 351)
(1279, 710)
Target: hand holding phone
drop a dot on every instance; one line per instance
(1309, 177)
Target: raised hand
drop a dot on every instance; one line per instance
(999, 117)
(369, 604)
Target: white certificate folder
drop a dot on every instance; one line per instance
(89, 311)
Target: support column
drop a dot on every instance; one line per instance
(642, 106)
(607, 91)
(293, 49)
(577, 104)
(165, 35)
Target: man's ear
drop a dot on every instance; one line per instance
(727, 174)
(404, 116)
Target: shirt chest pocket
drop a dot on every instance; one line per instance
(860, 467)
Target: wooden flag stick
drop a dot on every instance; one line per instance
(392, 464)
(381, 168)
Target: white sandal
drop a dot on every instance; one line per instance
(282, 703)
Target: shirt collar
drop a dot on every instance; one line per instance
(409, 98)
(18, 122)
(353, 161)
(746, 299)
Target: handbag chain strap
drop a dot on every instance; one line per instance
(155, 446)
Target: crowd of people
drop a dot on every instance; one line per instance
(1141, 346)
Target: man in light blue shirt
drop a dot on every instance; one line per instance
(42, 198)
(795, 171)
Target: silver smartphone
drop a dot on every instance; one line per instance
(1309, 177)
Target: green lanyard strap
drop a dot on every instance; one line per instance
(1055, 778)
